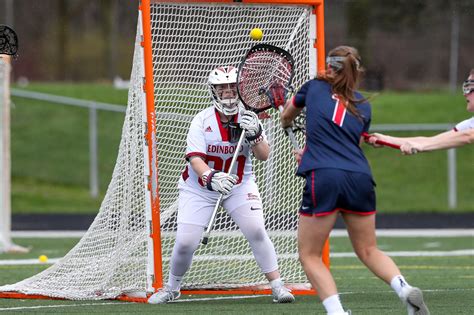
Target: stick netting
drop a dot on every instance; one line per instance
(188, 41)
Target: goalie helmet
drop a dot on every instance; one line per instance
(222, 84)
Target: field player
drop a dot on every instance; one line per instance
(461, 134)
(211, 142)
(339, 179)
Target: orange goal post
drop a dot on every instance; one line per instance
(125, 253)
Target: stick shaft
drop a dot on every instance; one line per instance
(207, 232)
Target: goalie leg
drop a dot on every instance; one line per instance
(248, 215)
(187, 241)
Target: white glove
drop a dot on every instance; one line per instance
(219, 181)
(251, 124)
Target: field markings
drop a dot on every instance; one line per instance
(451, 253)
(188, 300)
(334, 233)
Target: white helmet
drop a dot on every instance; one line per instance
(223, 88)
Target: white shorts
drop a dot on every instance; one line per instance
(195, 206)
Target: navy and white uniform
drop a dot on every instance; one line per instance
(338, 175)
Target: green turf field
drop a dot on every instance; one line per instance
(447, 281)
(50, 162)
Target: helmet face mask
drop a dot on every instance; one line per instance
(222, 84)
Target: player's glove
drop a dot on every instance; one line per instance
(252, 126)
(278, 95)
(219, 181)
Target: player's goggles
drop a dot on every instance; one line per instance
(336, 62)
(468, 87)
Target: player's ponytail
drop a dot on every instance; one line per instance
(344, 74)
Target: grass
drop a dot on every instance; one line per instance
(447, 283)
(50, 162)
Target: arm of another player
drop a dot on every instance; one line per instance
(255, 135)
(289, 113)
(446, 140)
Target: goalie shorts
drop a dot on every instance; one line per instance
(328, 190)
(195, 206)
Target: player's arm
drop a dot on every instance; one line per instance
(290, 112)
(445, 140)
(214, 180)
(255, 135)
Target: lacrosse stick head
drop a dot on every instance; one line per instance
(264, 77)
(8, 41)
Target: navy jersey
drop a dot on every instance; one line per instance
(332, 132)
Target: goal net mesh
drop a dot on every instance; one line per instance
(188, 41)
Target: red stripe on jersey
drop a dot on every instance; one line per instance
(185, 173)
(339, 111)
(223, 131)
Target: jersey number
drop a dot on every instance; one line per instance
(219, 164)
(339, 111)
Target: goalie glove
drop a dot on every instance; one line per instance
(252, 126)
(219, 181)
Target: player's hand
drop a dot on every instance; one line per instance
(298, 155)
(373, 138)
(219, 181)
(251, 124)
(410, 148)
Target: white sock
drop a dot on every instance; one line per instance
(174, 282)
(398, 283)
(333, 304)
(275, 283)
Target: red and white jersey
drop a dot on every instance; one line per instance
(465, 125)
(209, 139)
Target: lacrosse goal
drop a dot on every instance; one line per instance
(6, 244)
(126, 250)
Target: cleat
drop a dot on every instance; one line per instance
(282, 294)
(413, 299)
(164, 295)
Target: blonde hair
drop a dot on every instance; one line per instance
(345, 78)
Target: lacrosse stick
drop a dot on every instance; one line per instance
(264, 79)
(207, 232)
(8, 41)
(263, 69)
(381, 142)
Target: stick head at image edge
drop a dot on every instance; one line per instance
(8, 41)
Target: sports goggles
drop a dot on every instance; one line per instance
(468, 87)
(337, 62)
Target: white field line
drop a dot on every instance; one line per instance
(334, 233)
(217, 298)
(453, 253)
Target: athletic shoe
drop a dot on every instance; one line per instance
(164, 295)
(281, 294)
(413, 299)
(345, 313)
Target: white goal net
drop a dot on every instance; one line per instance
(188, 41)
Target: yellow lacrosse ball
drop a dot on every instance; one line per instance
(43, 258)
(256, 34)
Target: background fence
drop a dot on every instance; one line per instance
(93, 128)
